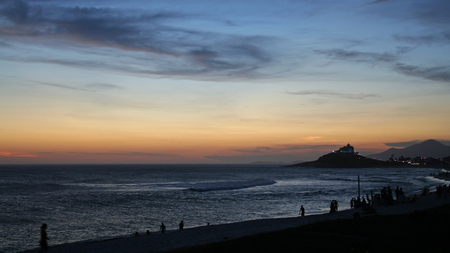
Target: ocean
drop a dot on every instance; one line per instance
(96, 202)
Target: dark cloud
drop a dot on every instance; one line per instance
(356, 56)
(131, 154)
(335, 94)
(88, 88)
(437, 38)
(284, 148)
(67, 87)
(274, 154)
(4, 44)
(441, 74)
(255, 158)
(15, 11)
(403, 49)
(102, 86)
(188, 51)
(433, 13)
(378, 2)
(256, 150)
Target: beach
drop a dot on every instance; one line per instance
(176, 239)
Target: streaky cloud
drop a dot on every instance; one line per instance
(10, 154)
(283, 148)
(103, 86)
(67, 87)
(378, 2)
(437, 38)
(277, 158)
(89, 87)
(334, 94)
(441, 74)
(356, 56)
(185, 51)
(124, 154)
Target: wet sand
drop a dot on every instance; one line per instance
(157, 242)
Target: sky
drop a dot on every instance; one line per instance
(180, 81)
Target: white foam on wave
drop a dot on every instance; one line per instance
(229, 185)
(197, 186)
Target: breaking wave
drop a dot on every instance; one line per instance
(229, 185)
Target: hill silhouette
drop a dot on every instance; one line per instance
(340, 160)
(429, 148)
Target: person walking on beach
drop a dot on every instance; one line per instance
(163, 228)
(181, 225)
(302, 211)
(44, 238)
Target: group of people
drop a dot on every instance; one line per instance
(334, 206)
(44, 245)
(162, 227)
(359, 202)
(442, 190)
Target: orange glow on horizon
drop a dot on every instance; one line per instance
(15, 155)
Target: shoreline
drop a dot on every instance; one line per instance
(177, 239)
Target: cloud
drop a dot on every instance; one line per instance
(441, 74)
(115, 154)
(437, 38)
(255, 158)
(281, 153)
(433, 13)
(133, 154)
(334, 94)
(9, 154)
(102, 86)
(180, 51)
(255, 150)
(61, 86)
(283, 148)
(356, 56)
(311, 138)
(378, 2)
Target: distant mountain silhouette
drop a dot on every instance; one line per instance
(429, 148)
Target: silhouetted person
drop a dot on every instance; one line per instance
(163, 228)
(148, 232)
(181, 225)
(302, 211)
(332, 207)
(44, 238)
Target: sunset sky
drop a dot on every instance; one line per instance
(181, 81)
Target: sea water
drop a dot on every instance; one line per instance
(96, 202)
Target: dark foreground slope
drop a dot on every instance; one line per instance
(339, 160)
(424, 231)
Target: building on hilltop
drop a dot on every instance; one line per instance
(346, 150)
